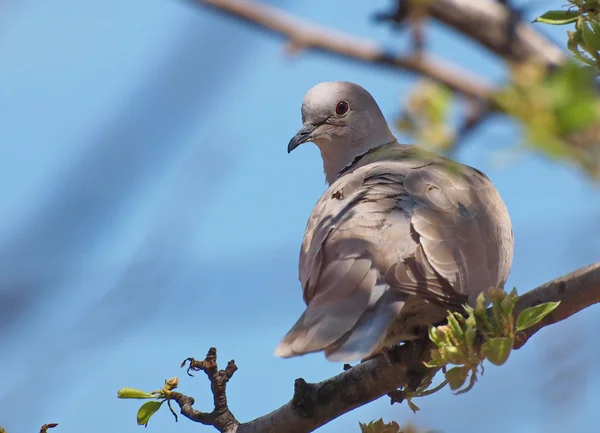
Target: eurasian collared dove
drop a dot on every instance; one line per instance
(400, 236)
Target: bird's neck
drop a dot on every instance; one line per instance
(335, 162)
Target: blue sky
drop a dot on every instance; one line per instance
(150, 211)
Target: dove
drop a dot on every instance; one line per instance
(400, 236)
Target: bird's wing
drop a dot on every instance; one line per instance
(389, 230)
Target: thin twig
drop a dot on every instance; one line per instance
(306, 35)
(496, 27)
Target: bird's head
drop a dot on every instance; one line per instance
(344, 121)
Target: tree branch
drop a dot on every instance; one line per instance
(575, 291)
(45, 427)
(315, 404)
(221, 417)
(302, 34)
(492, 24)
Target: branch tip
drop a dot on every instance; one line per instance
(45, 427)
(221, 417)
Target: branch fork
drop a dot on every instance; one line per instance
(221, 417)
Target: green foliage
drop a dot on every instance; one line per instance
(466, 341)
(133, 393)
(560, 112)
(380, 427)
(426, 114)
(533, 315)
(558, 17)
(497, 350)
(456, 377)
(149, 408)
(392, 427)
(584, 42)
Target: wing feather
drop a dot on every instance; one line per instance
(391, 244)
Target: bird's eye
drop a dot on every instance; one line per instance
(341, 108)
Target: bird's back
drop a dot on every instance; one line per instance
(402, 233)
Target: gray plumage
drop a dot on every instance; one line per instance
(400, 236)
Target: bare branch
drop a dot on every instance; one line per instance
(498, 28)
(575, 291)
(45, 427)
(221, 417)
(315, 404)
(309, 36)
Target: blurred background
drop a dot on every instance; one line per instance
(149, 210)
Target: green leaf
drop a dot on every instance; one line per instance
(456, 377)
(595, 26)
(557, 17)
(531, 316)
(379, 427)
(573, 103)
(133, 393)
(573, 46)
(468, 309)
(470, 335)
(147, 410)
(471, 321)
(497, 350)
(591, 39)
(457, 331)
(432, 335)
(471, 384)
(435, 363)
(442, 335)
(439, 104)
(480, 305)
(412, 406)
(509, 302)
(452, 355)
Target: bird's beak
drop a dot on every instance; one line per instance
(302, 136)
